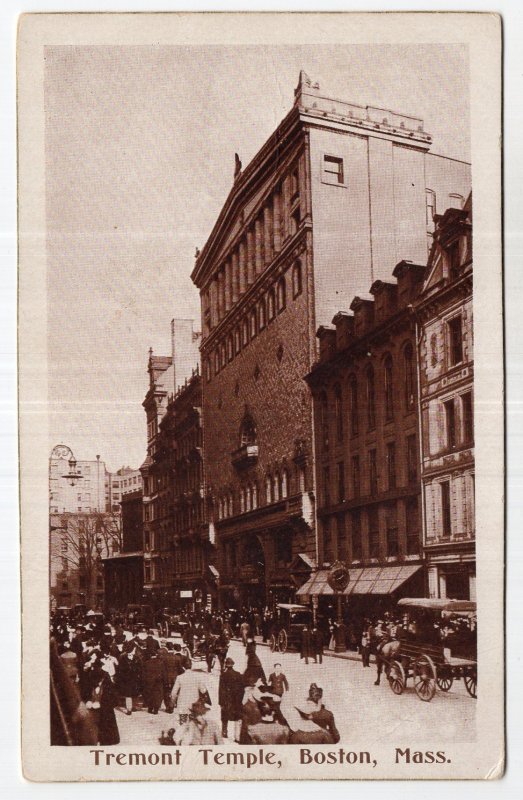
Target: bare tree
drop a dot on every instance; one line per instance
(79, 542)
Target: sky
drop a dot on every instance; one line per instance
(140, 144)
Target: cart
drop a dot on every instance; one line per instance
(430, 664)
(287, 628)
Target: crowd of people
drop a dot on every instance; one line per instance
(99, 664)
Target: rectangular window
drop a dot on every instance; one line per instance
(326, 486)
(455, 341)
(450, 423)
(356, 536)
(412, 459)
(467, 413)
(355, 476)
(446, 523)
(341, 482)
(391, 465)
(328, 554)
(392, 541)
(333, 169)
(373, 472)
(374, 534)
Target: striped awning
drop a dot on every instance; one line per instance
(363, 580)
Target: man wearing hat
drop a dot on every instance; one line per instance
(305, 730)
(321, 715)
(268, 730)
(230, 697)
(188, 688)
(198, 729)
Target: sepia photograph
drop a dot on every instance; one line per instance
(260, 403)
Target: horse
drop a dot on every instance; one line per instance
(384, 654)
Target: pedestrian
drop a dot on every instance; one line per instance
(278, 683)
(230, 697)
(254, 671)
(198, 729)
(128, 677)
(154, 679)
(365, 647)
(245, 630)
(189, 687)
(305, 731)
(321, 715)
(306, 651)
(317, 644)
(250, 714)
(268, 730)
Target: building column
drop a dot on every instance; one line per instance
(250, 257)
(442, 584)
(364, 522)
(267, 233)
(242, 269)
(401, 521)
(258, 238)
(276, 222)
(382, 525)
(472, 585)
(432, 574)
(228, 285)
(235, 277)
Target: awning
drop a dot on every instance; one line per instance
(363, 580)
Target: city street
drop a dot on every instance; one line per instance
(364, 713)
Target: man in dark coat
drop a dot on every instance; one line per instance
(230, 697)
(154, 680)
(317, 644)
(306, 650)
(254, 670)
(128, 677)
(173, 663)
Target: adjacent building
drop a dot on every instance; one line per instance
(77, 487)
(123, 570)
(336, 194)
(121, 483)
(446, 363)
(366, 422)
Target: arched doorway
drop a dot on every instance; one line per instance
(252, 572)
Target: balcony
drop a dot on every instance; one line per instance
(245, 456)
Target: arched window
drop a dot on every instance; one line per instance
(230, 348)
(237, 340)
(371, 400)
(248, 498)
(324, 420)
(281, 294)
(353, 404)
(216, 361)
(410, 380)
(268, 489)
(271, 305)
(231, 505)
(245, 332)
(253, 323)
(262, 315)
(207, 369)
(388, 388)
(284, 484)
(223, 355)
(242, 501)
(338, 404)
(296, 279)
(247, 431)
(254, 496)
(276, 488)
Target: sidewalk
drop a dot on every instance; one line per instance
(349, 655)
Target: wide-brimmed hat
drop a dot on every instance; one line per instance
(305, 708)
(229, 662)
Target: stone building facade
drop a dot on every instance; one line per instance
(88, 493)
(446, 356)
(364, 389)
(319, 211)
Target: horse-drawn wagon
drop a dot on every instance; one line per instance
(428, 657)
(286, 630)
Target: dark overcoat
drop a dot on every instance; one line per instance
(230, 694)
(129, 676)
(154, 679)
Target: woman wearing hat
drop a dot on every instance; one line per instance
(198, 729)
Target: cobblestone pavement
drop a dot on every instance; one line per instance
(364, 713)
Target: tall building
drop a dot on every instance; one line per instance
(167, 376)
(365, 395)
(446, 355)
(335, 195)
(88, 492)
(123, 570)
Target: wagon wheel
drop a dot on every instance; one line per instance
(273, 643)
(396, 677)
(471, 681)
(445, 681)
(283, 641)
(425, 676)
